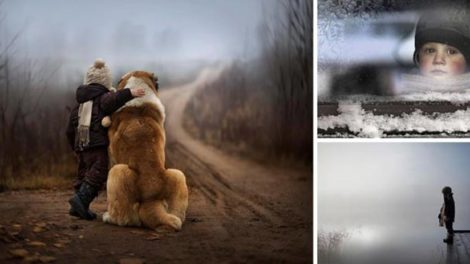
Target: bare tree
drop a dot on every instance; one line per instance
(32, 116)
(289, 55)
(266, 103)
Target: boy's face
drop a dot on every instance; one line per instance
(441, 60)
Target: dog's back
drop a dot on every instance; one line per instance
(137, 136)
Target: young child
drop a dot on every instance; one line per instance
(442, 43)
(442, 53)
(89, 138)
(447, 214)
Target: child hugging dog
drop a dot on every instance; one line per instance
(88, 137)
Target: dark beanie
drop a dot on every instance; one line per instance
(449, 26)
(447, 190)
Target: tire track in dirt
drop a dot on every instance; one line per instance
(231, 202)
(220, 193)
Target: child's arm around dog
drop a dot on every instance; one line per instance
(112, 101)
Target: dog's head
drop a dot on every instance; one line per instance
(141, 79)
(149, 82)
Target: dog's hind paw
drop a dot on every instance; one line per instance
(175, 222)
(172, 224)
(106, 217)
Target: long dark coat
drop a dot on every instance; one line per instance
(449, 205)
(105, 103)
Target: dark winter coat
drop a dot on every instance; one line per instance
(449, 211)
(105, 103)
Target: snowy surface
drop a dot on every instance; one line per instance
(456, 98)
(353, 117)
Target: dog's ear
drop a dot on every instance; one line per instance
(124, 77)
(119, 83)
(155, 80)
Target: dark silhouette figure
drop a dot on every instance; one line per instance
(447, 214)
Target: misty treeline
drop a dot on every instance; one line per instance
(329, 246)
(32, 115)
(264, 106)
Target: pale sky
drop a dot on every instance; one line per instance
(375, 179)
(125, 30)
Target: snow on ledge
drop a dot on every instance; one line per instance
(456, 98)
(365, 124)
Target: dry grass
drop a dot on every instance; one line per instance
(36, 182)
(235, 115)
(40, 174)
(243, 148)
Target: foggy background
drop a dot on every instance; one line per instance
(385, 197)
(261, 106)
(160, 35)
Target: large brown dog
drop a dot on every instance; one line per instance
(140, 190)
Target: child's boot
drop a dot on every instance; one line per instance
(449, 240)
(72, 212)
(80, 202)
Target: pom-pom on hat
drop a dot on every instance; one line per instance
(99, 73)
(450, 26)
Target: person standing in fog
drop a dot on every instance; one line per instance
(447, 214)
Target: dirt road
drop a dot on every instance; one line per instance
(239, 212)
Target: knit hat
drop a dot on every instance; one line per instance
(449, 26)
(99, 73)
